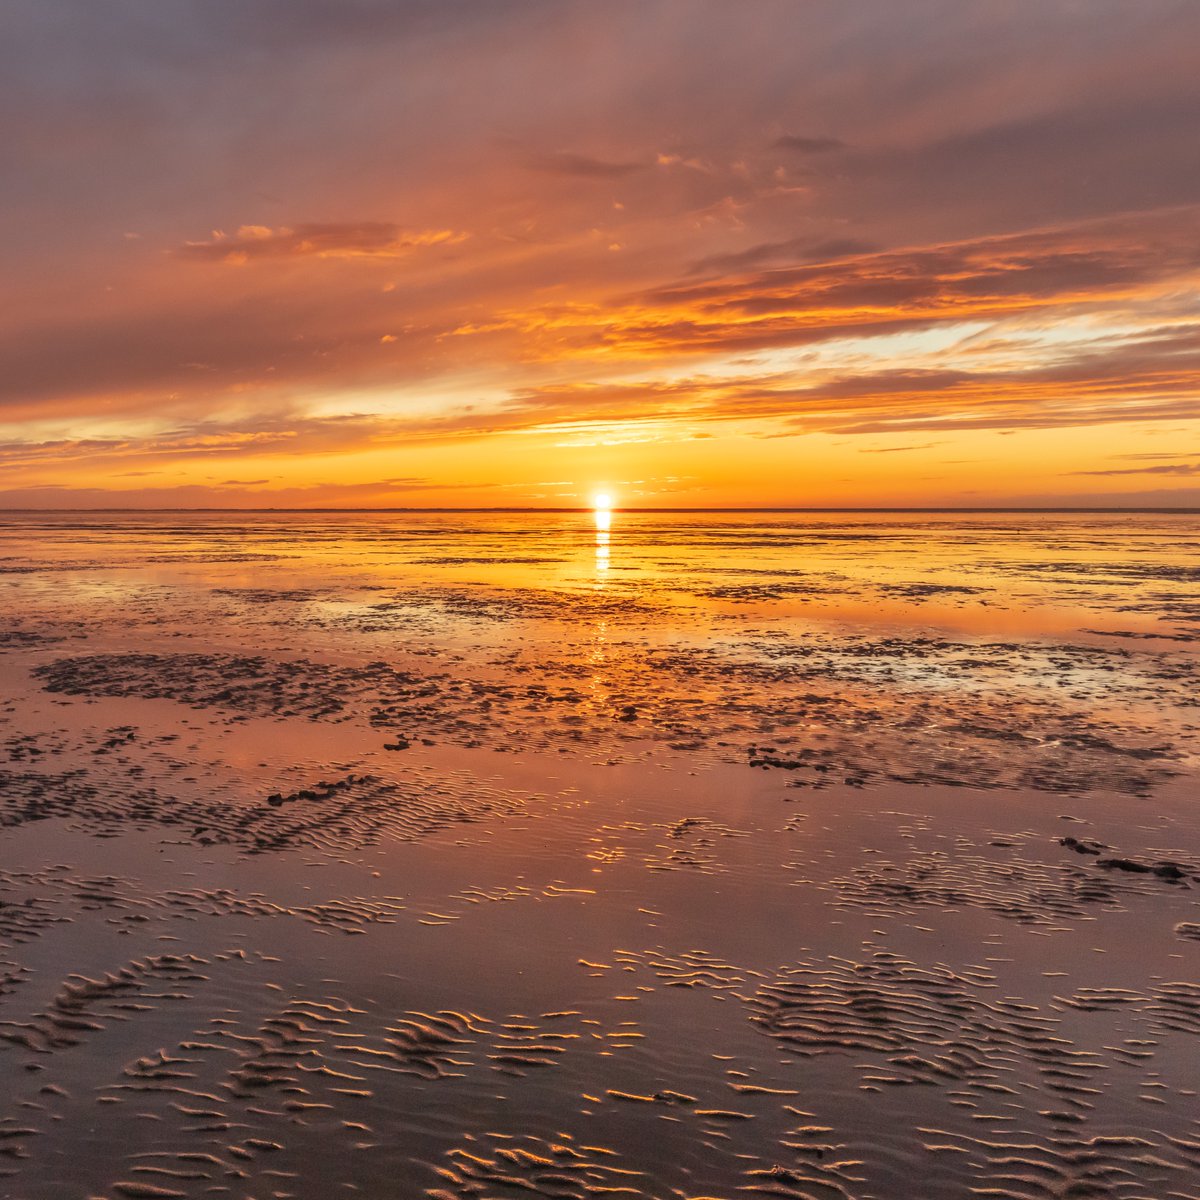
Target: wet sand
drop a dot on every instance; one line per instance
(493, 855)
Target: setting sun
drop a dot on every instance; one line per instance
(601, 500)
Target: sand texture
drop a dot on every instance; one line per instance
(493, 856)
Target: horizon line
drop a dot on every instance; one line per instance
(588, 508)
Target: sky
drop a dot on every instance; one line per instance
(438, 253)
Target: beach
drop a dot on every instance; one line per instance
(495, 854)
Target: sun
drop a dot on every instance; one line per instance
(601, 500)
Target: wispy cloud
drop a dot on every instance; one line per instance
(367, 239)
(1189, 468)
(808, 144)
(583, 166)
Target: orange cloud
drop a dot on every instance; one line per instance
(366, 239)
(1067, 269)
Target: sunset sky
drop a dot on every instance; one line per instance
(688, 252)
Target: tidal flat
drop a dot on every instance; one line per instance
(838, 856)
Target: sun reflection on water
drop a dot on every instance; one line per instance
(602, 515)
(602, 549)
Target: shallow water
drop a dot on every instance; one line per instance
(678, 855)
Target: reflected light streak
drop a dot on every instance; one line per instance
(602, 515)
